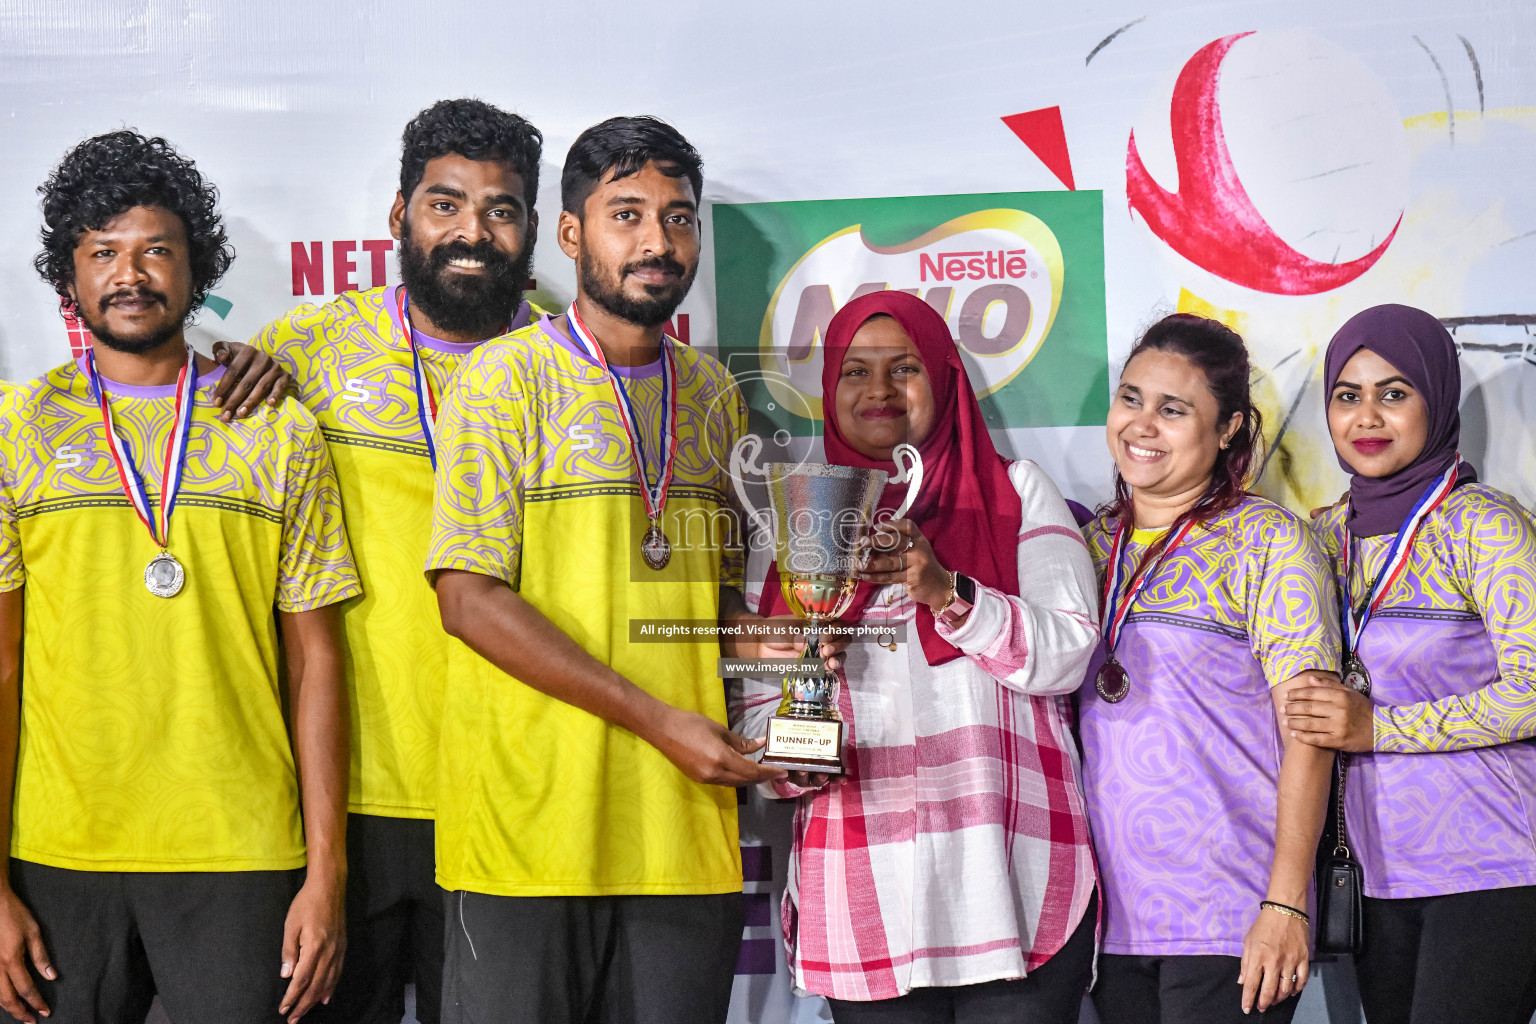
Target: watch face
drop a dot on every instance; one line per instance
(965, 588)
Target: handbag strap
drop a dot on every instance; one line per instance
(1341, 840)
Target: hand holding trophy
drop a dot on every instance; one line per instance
(820, 514)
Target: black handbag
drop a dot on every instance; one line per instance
(1339, 885)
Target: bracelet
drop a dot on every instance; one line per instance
(1281, 908)
(941, 609)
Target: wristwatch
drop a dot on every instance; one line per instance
(961, 600)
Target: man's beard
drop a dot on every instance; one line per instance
(97, 323)
(478, 305)
(661, 300)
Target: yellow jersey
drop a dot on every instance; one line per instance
(152, 729)
(536, 487)
(352, 366)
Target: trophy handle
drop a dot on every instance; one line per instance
(910, 473)
(743, 461)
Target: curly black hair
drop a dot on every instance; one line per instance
(474, 130)
(113, 173)
(624, 145)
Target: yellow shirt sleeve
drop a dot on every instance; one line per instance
(1495, 568)
(315, 567)
(1293, 618)
(477, 510)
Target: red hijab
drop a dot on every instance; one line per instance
(968, 508)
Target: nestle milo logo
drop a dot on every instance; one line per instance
(974, 266)
(994, 275)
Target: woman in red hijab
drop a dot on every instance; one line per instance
(947, 875)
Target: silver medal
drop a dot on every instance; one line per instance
(164, 576)
(1356, 676)
(655, 548)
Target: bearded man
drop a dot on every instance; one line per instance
(371, 366)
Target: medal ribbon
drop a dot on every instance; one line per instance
(1355, 619)
(1116, 611)
(655, 499)
(174, 460)
(426, 400)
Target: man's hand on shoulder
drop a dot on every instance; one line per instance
(251, 377)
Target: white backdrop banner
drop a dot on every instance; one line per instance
(1276, 165)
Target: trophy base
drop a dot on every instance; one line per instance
(804, 744)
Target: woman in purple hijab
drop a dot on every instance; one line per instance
(1437, 578)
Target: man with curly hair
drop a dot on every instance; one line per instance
(178, 818)
(372, 365)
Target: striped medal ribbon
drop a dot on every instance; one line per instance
(654, 546)
(1112, 681)
(1356, 676)
(426, 400)
(164, 576)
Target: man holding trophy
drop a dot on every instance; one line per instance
(586, 836)
(946, 872)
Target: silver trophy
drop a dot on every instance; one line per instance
(820, 514)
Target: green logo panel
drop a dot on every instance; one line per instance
(1018, 276)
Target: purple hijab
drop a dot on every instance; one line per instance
(1423, 352)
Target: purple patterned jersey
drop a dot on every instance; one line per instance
(1446, 801)
(1182, 776)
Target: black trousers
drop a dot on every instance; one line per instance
(210, 942)
(590, 959)
(1052, 994)
(394, 924)
(1468, 957)
(1177, 990)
